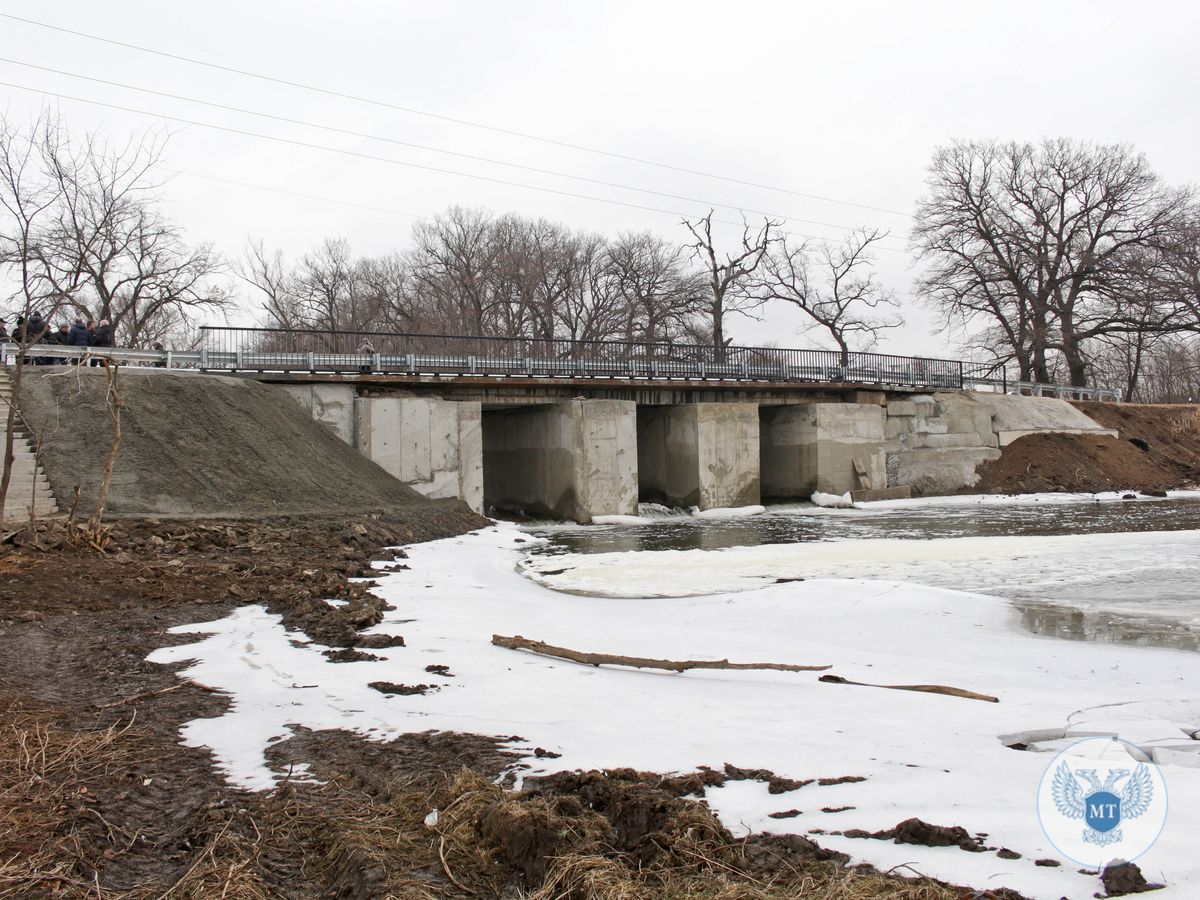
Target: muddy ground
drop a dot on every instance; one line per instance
(1157, 448)
(98, 798)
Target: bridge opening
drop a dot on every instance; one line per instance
(830, 447)
(702, 455)
(572, 460)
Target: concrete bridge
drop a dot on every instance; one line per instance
(586, 455)
(575, 430)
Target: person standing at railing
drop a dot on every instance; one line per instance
(102, 338)
(62, 337)
(79, 336)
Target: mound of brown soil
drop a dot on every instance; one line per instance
(197, 445)
(1170, 433)
(1158, 447)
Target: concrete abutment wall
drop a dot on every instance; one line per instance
(434, 445)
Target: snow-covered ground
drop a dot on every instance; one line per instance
(933, 756)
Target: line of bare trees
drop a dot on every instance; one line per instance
(83, 233)
(468, 272)
(1074, 261)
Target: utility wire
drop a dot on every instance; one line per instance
(316, 197)
(444, 118)
(372, 137)
(383, 159)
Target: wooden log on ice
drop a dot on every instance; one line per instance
(922, 688)
(638, 662)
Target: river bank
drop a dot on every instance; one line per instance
(833, 763)
(99, 799)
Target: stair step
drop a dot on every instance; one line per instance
(27, 482)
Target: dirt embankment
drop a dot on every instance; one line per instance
(98, 799)
(198, 445)
(1157, 448)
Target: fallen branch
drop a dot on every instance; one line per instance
(446, 868)
(922, 688)
(638, 662)
(147, 694)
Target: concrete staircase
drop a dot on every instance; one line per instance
(28, 484)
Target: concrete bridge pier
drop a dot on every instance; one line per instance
(699, 454)
(572, 460)
(812, 447)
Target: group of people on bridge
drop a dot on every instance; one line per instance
(38, 330)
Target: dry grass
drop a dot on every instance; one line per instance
(42, 775)
(318, 840)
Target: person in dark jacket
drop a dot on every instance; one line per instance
(34, 331)
(61, 337)
(102, 337)
(3, 331)
(35, 328)
(79, 337)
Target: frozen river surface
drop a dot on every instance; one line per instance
(1080, 566)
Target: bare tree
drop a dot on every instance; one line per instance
(846, 299)
(111, 250)
(730, 274)
(658, 293)
(267, 273)
(330, 289)
(453, 265)
(1026, 238)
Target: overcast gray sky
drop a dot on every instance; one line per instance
(843, 101)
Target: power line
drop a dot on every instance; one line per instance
(444, 118)
(364, 135)
(382, 159)
(275, 190)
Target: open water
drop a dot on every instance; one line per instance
(1103, 605)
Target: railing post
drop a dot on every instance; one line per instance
(204, 358)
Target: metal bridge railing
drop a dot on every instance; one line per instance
(275, 350)
(268, 349)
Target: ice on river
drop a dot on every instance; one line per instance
(927, 755)
(1079, 570)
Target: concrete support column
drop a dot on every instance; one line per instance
(813, 447)
(700, 454)
(433, 445)
(571, 460)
